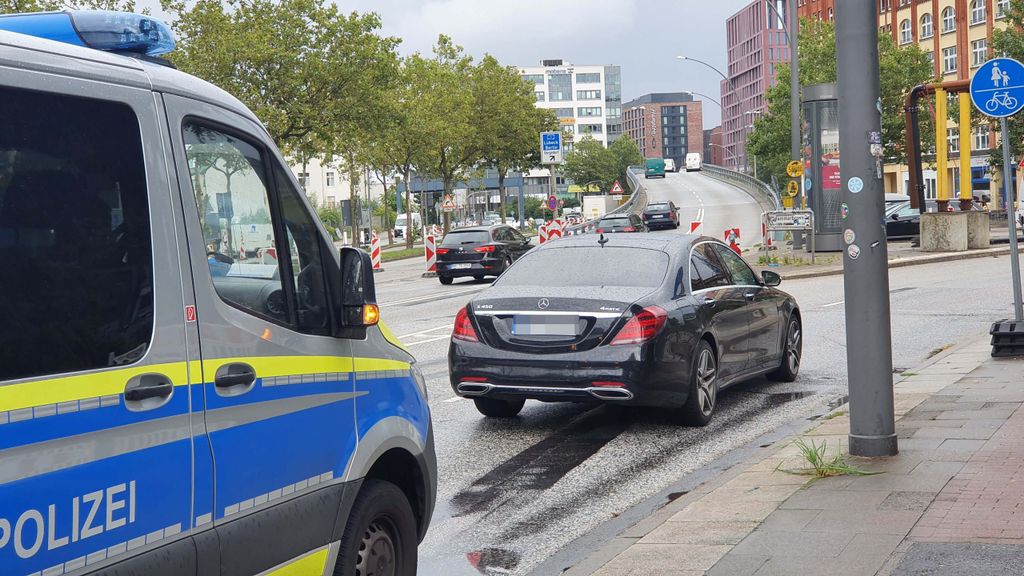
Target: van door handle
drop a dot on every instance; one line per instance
(234, 379)
(147, 391)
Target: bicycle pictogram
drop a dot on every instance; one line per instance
(1000, 99)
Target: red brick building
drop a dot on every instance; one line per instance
(714, 151)
(820, 9)
(665, 125)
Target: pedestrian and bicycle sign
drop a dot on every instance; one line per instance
(551, 147)
(997, 88)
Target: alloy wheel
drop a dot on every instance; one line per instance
(707, 390)
(793, 346)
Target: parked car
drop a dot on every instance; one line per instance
(647, 320)
(693, 162)
(661, 215)
(620, 223)
(479, 251)
(902, 221)
(670, 165)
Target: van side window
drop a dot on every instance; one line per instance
(75, 247)
(240, 226)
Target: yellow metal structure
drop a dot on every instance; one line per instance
(966, 141)
(795, 169)
(941, 146)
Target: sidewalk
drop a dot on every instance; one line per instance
(951, 502)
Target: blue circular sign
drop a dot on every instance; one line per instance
(997, 87)
(552, 203)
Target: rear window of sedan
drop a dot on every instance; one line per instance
(457, 238)
(588, 266)
(660, 207)
(614, 222)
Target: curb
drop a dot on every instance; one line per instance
(597, 558)
(903, 262)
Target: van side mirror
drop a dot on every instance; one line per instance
(357, 301)
(771, 278)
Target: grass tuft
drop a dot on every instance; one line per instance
(821, 466)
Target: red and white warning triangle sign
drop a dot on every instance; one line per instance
(616, 188)
(694, 226)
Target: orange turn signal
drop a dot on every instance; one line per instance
(371, 314)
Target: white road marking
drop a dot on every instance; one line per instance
(429, 297)
(833, 304)
(453, 399)
(445, 337)
(421, 332)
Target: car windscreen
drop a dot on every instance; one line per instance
(614, 223)
(457, 238)
(658, 207)
(592, 266)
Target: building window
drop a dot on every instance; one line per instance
(979, 52)
(537, 79)
(591, 128)
(563, 113)
(906, 32)
(931, 58)
(331, 202)
(588, 94)
(927, 30)
(539, 95)
(884, 5)
(592, 111)
(559, 87)
(303, 179)
(1001, 7)
(949, 59)
(953, 139)
(588, 78)
(831, 16)
(330, 179)
(981, 138)
(948, 20)
(977, 12)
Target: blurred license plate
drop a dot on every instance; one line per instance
(523, 325)
(658, 216)
(465, 266)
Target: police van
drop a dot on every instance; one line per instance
(192, 379)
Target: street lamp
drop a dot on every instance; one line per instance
(732, 87)
(704, 96)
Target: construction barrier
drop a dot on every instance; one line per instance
(430, 254)
(732, 238)
(375, 252)
(542, 233)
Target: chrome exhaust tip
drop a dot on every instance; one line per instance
(473, 388)
(610, 393)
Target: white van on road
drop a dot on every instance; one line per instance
(693, 162)
(401, 225)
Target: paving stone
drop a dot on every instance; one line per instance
(699, 532)
(812, 499)
(962, 445)
(897, 522)
(974, 559)
(663, 560)
(789, 520)
(780, 543)
(962, 433)
(916, 501)
(730, 511)
(770, 493)
(736, 565)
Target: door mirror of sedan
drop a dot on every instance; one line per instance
(894, 216)
(771, 278)
(356, 297)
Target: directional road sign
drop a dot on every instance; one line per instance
(997, 88)
(551, 147)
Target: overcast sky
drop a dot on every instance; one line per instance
(642, 36)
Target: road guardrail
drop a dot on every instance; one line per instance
(762, 193)
(635, 205)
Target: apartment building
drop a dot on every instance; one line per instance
(665, 125)
(586, 99)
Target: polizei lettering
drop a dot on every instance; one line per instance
(58, 525)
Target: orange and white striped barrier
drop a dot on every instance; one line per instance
(430, 254)
(542, 233)
(375, 252)
(732, 238)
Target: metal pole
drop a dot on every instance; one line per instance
(794, 87)
(553, 190)
(522, 203)
(1010, 195)
(865, 259)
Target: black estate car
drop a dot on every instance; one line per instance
(637, 319)
(479, 251)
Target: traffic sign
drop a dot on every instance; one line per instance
(551, 148)
(552, 203)
(792, 189)
(448, 205)
(617, 188)
(795, 169)
(997, 88)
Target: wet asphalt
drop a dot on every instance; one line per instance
(536, 493)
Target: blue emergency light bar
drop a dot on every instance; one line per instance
(97, 29)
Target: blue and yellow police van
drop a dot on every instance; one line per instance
(193, 380)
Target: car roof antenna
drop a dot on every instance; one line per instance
(602, 240)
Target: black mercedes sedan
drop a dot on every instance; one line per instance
(479, 251)
(646, 320)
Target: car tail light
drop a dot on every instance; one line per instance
(464, 328)
(487, 249)
(600, 230)
(473, 379)
(642, 327)
(441, 251)
(606, 384)
(629, 229)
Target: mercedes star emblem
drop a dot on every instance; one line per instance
(543, 303)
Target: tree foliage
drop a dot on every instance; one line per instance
(590, 161)
(22, 6)
(900, 68)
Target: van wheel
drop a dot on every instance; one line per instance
(446, 280)
(493, 408)
(380, 536)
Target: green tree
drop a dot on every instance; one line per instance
(23, 6)
(590, 161)
(627, 154)
(901, 68)
(506, 121)
(308, 72)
